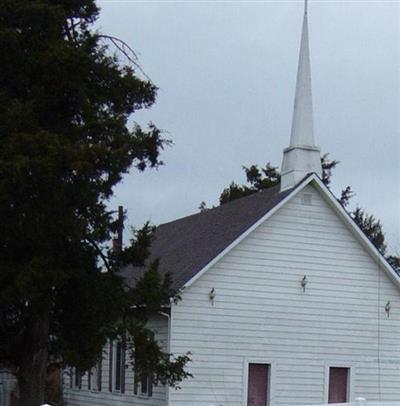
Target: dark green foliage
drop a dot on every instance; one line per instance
(203, 206)
(394, 261)
(151, 295)
(260, 179)
(139, 249)
(263, 178)
(328, 166)
(149, 360)
(65, 143)
(371, 227)
(257, 179)
(345, 196)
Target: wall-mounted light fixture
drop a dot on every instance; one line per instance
(212, 295)
(388, 307)
(304, 283)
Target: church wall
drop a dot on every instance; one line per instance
(86, 397)
(261, 314)
(7, 387)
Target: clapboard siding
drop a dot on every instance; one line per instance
(7, 385)
(85, 397)
(261, 313)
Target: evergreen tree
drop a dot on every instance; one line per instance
(394, 261)
(257, 179)
(371, 227)
(65, 100)
(263, 178)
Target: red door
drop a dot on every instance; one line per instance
(338, 381)
(257, 388)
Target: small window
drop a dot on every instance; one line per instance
(338, 385)
(306, 199)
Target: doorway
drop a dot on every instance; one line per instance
(258, 385)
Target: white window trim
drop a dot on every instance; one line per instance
(350, 383)
(271, 378)
(93, 373)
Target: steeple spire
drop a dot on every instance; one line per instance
(302, 156)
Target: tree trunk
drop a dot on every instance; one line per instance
(32, 373)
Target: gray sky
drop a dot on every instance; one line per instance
(226, 75)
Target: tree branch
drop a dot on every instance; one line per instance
(100, 252)
(126, 50)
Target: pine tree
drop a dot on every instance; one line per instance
(263, 178)
(257, 179)
(65, 100)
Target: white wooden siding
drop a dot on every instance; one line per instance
(7, 385)
(261, 312)
(85, 397)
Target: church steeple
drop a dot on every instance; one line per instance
(302, 156)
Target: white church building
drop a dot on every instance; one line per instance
(284, 300)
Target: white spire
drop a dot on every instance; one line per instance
(302, 156)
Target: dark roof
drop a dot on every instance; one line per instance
(186, 245)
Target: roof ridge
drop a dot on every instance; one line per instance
(227, 204)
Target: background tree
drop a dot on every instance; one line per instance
(65, 100)
(372, 228)
(258, 179)
(394, 260)
(264, 178)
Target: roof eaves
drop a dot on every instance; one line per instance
(363, 239)
(306, 180)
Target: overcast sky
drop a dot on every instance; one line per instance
(226, 75)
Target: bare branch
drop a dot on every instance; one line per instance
(100, 252)
(126, 50)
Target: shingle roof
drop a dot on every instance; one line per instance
(186, 245)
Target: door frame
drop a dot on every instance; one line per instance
(271, 378)
(350, 379)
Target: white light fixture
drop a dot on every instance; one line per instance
(304, 283)
(388, 307)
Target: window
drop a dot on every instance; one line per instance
(306, 199)
(143, 385)
(119, 367)
(94, 382)
(110, 366)
(78, 378)
(71, 377)
(339, 383)
(146, 386)
(258, 385)
(116, 371)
